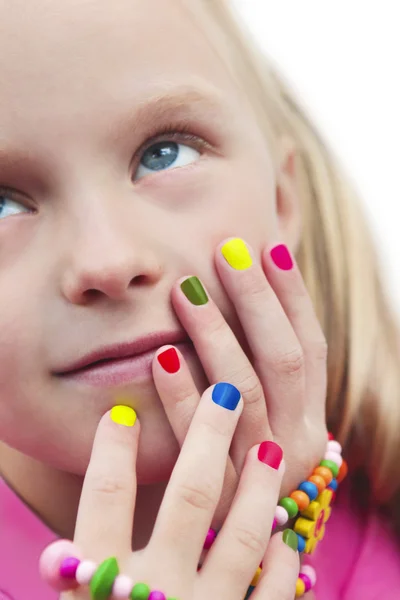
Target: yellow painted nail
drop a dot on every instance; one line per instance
(123, 415)
(236, 254)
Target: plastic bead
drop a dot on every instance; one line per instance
(334, 457)
(50, 562)
(122, 587)
(211, 535)
(333, 485)
(301, 544)
(325, 473)
(334, 446)
(249, 592)
(85, 572)
(310, 489)
(301, 499)
(156, 595)
(102, 581)
(281, 515)
(274, 524)
(141, 591)
(319, 482)
(330, 436)
(331, 465)
(342, 472)
(256, 577)
(307, 581)
(300, 588)
(68, 567)
(290, 506)
(310, 572)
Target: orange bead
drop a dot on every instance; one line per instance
(342, 472)
(325, 473)
(301, 499)
(319, 482)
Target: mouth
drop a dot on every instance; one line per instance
(122, 363)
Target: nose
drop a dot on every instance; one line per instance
(109, 257)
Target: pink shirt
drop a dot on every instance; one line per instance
(358, 560)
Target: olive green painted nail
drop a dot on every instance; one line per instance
(194, 291)
(290, 539)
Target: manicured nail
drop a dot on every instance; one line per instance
(169, 360)
(123, 415)
(271, 454)
(290, 539)
(226, 395)
(281, 257)
(194, 291)
(236, 254)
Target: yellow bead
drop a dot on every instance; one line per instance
(304, 527)
(256, 576)
(300, 587)
(312, 510)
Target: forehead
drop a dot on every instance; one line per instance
(60, 57)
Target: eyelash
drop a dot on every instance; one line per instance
(176, 134)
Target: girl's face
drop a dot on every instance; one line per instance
(95, 224)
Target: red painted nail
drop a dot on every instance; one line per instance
(281, 257)
(271, 454)
(169, 360)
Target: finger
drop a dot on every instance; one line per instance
(105, 516)
(241, 544)
(196, 482)
(180, 398)
(223, 359)
(287, 282)
(277, 353)
(279, 573)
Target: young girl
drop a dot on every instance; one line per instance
(164, 206)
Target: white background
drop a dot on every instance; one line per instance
(343, 58)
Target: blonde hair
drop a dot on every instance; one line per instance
(338, 262)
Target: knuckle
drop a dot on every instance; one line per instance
(107, 485)
(290, 363)
(200, 498)
(250, 540)
(249, 386)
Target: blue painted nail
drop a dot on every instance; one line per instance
(226, 395)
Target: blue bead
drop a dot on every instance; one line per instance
(249, 591)
(310, 489)
(333, 485)
(301, 543)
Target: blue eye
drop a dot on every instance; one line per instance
(9, 207)
(165, 155)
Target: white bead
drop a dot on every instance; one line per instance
(334, 446)
(334, 457)
(122, 587)
(310, 572)
(85, 571)
(281, 515)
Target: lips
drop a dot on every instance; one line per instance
(120, 363)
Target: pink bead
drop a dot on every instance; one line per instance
(310, 572)
(281, 515)
(274, 524)
(122, 587)
(85, 572)
(68, 567)
(334, 446)
(307, 581)
(211, 535)
(334, 457)
(157, 596)
(50, 563)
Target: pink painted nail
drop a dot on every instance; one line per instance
(281, 257)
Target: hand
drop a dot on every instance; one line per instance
(283, 383)
(169, 562)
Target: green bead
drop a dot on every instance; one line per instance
(103, 579)
(290, 506)
(140, 591)
(331, 465)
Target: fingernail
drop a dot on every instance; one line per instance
(169, 360)
(226, 395)
(194, 291)
(123, 415)
(271, 454)
(290, 539)
(281, 257)
(236, 254)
